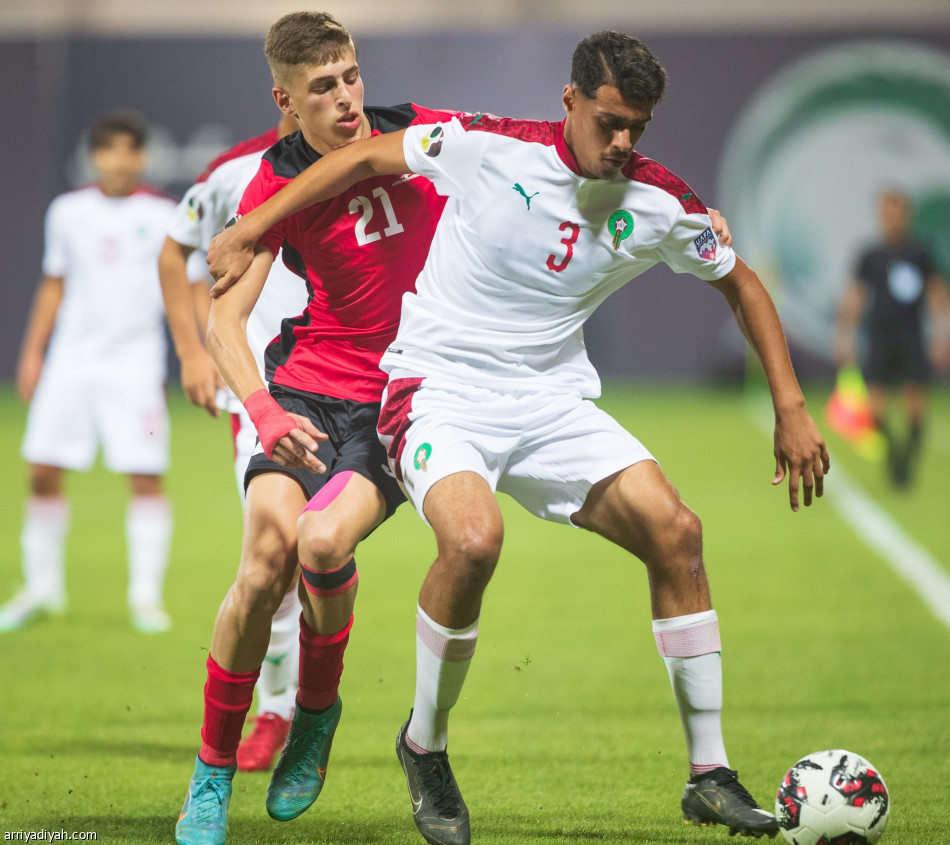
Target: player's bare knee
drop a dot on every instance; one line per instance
(268, 565)
(45, 481)
(260, 589)
(474, 547)
(145, 485)
(321, 544)
(689, 529)
(676, 541)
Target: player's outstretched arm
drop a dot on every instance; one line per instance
(39, 330)
(231, 250)
(200, 378)
(800, 451)
(287, 438)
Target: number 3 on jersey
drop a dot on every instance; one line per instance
(364, 207)
(569, 240)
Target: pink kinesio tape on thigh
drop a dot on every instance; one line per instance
(326, 494)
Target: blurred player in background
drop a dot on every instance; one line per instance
(203, 212)
(92, 367)
(895, 287)
(488, 372)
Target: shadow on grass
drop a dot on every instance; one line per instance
(152, 752)
(508, 830)
(145, 830)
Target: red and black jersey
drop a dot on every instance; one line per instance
(358, 253)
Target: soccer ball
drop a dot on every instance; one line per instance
(832, 798)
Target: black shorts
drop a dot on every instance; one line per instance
(352, 444)
(897, 357)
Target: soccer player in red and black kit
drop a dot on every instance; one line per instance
(317, 426)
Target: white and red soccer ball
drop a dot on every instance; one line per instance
(832, 797)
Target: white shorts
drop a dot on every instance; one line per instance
(73, 412)
(544, 450)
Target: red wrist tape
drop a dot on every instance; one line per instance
(271, 421)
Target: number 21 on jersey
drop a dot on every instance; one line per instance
(365, 207)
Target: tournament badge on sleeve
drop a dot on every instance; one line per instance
(848, 413)
(432, 143)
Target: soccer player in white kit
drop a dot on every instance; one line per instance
(490, 389)
(92, 366)
(204, 211)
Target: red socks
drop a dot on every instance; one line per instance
(228, 697)
(321, 665)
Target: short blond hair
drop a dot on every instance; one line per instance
(305, 38)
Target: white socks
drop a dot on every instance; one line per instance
(43, 541)
(277, 684)
(443, 656)
(148, 530)
(690, 647)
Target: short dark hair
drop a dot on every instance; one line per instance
(107, 126)
(622, 61)
(305, 38)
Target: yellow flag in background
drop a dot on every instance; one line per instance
(848, 413)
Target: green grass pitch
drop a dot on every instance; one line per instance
(566, 731)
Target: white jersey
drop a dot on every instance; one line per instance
(106, 249)
(527, 248)
(206, 209)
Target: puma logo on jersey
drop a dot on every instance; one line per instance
(527, 199)
(404, 178)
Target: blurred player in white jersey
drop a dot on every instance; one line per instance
(204, 211)
(490, 388)
(92, 367)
